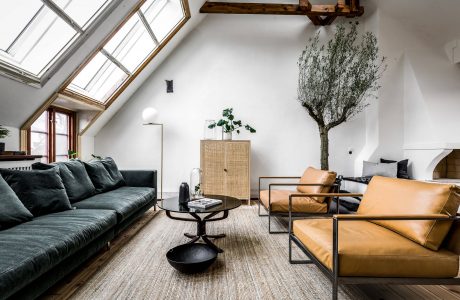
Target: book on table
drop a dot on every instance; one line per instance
(204, 203)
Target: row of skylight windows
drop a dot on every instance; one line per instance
(125, 52)
(34, 33)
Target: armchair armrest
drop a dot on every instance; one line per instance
(326, 195)
(140, 178)
(428, 217)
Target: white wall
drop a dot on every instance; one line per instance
(245, 62)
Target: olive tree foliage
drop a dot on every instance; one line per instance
(337, 79)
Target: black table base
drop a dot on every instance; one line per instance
(201, 227)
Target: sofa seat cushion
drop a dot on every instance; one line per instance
(367, 249)
(280, 202)
(391, 196)
(30, 249)
(125, 200)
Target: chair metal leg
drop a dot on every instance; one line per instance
(296, 262)
(269, 225)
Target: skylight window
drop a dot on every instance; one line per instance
(34, 33)
(123, 55)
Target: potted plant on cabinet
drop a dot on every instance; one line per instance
(3, 134)
(229, 124)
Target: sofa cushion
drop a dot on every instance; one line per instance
(380, 169)
(392, 196)
(125, 200)
(41, 191)
(315, 176)
(77, 183)
(12, 211)
(367, 249)
(104, 174)
(30, 249)
(280, 202)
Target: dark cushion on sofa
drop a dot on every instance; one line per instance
(30, 249)
(12, 211)
(41, 191)
(77, 183)
(125, 200)
(402, 167)
(104, 174)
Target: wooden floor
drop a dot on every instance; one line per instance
(67, 287)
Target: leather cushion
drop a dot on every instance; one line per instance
(392, 196)
(280, 202)
(104, 174)
(12, 211)
(77, 183)
(29, 250)
(125, 200)
(367, 249)
(312, 176)
(41, 191)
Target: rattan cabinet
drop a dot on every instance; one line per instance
(226, 168)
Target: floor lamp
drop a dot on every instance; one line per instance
(149, 115)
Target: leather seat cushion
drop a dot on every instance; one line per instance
(392, 196)
(280, 202)
(312, 176)
(367, 249)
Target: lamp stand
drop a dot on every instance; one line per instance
(161, 163)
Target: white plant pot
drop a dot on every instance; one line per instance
(227, 136)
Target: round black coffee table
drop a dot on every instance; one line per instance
(171, 205)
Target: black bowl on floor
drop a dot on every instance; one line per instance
(191, 258)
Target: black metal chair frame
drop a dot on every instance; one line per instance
(270, 214)
(333, 274)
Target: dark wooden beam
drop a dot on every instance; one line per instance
(304, 5)
(327, 20)
(278, 9)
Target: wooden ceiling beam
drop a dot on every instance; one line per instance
(282, 9)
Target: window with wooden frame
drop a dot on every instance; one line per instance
(36, 34)
(116, 62)
(52, 135)
(128, 50)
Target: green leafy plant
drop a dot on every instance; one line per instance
(337, 79)
(229, 124)
(72, 154)
(4, 132)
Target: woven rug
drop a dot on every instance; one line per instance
(254, 266)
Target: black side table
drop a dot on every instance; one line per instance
(171, 205)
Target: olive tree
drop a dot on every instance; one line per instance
(337, 78)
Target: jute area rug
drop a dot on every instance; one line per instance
(254, 266)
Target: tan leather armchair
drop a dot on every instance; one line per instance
(276, 201)
(405, 232)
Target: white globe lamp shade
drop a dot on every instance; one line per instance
(149, 115)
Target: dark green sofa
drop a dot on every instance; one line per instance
(37, 254)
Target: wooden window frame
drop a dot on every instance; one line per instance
(72, 136)
(25, 129)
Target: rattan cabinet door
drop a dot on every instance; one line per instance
(237, 161)
(212, 163)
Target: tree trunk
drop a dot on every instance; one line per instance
(324, 135)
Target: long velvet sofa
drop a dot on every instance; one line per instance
(36, 254)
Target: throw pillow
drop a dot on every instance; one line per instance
(402, 167)
(12, 211)
(112, 168)
(103, 179)
(386, 170)
(76, 181)
(41, 191)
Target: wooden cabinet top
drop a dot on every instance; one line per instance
(227, 141)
